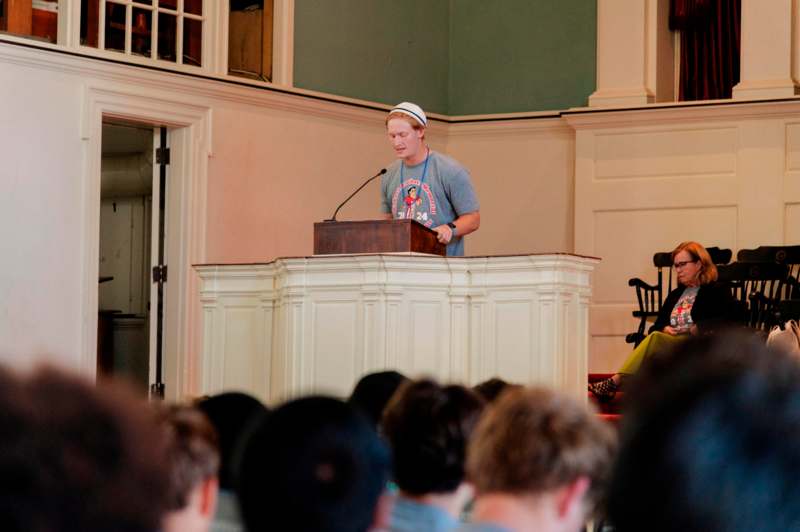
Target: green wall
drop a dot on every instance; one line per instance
(450, 56)
(379, 50)
(521, 55)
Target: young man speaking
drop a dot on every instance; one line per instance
(425, 185)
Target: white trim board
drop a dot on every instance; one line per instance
(190, 142)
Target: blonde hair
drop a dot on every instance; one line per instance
(708, 271)
(535, 440)
(414, 124)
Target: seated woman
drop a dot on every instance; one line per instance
(696, 305)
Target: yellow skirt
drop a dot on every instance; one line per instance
(653, 343)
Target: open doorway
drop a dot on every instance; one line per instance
(130, 321)
(184, 220)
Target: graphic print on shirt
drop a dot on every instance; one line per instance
(413, 205)
(681, 318)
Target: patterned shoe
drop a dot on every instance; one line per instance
(605, 390)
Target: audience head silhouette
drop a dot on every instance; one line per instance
(539, 461)
(428, 427)
(232, 415)
(75, 456)
(313, 464)
(373, 391)
(493, 388)
(191, 446)
(712, 441)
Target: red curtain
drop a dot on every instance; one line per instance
(710, 44)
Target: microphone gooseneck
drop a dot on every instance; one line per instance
(333, 218)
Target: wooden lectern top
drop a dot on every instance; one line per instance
(375, 236)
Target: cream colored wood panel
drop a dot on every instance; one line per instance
(791, 185)
(241, 344)
(627, 240)
(513, 347)
(335, 353)
(678, 152)
(666, 193)
(792, 147)
(425, 336)
(792, 227)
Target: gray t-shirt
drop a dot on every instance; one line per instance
(446, 194)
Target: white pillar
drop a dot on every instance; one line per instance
(769, 62)
(634, 53)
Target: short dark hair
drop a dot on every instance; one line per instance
(75, 456)
(534, 440)
(312, 464)
(191, 446)
(373, 391)
(428, 427)
(492, 388)
(711, 441)
(233, 415)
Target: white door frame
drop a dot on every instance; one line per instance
(190, 143)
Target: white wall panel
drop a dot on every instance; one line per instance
(666, 153)
(336, 357)
(513, 346)
(792, 147)
(242, 338)
(423, 339)
(792, 223)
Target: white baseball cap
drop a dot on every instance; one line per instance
(413, 110)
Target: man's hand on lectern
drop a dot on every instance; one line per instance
(444, 234)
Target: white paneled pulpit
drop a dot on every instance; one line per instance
(317, 324)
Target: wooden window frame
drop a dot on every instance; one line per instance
(155, 9)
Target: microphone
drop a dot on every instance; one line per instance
(333, 218)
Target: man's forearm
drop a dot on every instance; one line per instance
(467, 223)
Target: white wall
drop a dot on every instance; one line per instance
(40, 214)
(523, 172)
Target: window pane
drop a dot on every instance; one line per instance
(115, 27)
(167, 37)
(148, 2)
(38, 19)
(142, 31)
(90, 19)
(168, 4)
(194, 7)
(192, 41)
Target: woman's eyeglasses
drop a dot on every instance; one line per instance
(681, 264)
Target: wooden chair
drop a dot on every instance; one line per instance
(789, 255)
(720, 256)
(650, 297)
(757, 287)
